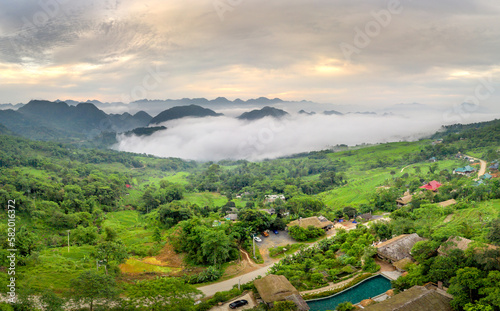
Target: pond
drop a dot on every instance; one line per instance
(368, 288)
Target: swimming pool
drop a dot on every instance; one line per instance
(368, 288)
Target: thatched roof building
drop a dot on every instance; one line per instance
(402, 201)
(447, 203)
(317, 222)
(299, 302)
(273, 288)
(397, 248)
(232, 217)
(417, 298)
(366, 216)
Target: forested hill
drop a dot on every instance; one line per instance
(58, 121)
(183, 111)
(262, 113)
(465, 130)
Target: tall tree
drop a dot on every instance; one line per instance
(216, 246)
(91, 286)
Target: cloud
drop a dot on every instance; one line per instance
(217, 138)
(280, 48)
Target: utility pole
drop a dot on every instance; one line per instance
(68, 241)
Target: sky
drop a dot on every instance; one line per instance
(367, 53)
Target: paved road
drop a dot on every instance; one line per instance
(210, 290)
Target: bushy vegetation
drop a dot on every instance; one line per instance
(120, 208)
(331, 260)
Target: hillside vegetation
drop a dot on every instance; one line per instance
(131, 218)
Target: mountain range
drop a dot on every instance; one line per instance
(84, 122)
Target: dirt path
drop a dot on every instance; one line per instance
(482, 171)
(404, 168)
(247, 258)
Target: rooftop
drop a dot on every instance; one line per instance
(273, 288)
(399, 247)
(405, 200)
(317, 222)
(432, 185)
(417, 298)
(447, 203)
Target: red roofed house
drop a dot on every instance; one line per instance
(127, 185)
(433, 185)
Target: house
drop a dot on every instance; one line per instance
(232, 217)
(432, 185)
(467, 170)
(270, 211)
(397, 248)
(273, 288)
(486, 176)
(273, 197)
(366, 216)
(433, 159)
(402, 201)
(317, 222)
(447, 203)
(494, 167)
(417, 298)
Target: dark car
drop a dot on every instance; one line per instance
(275, 231)
(238, 303)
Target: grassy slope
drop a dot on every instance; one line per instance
(56, 266)
(362, 182)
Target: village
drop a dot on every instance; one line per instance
(393, 256)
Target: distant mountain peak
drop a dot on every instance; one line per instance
(332, 112)
(307, 113)
(262, 113)
(183, 111)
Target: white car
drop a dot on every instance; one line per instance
(257, 239)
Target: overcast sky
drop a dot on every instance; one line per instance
(373, 53)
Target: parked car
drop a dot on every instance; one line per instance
(265, 233)
(275, 231)
(257, 239)
(238, 303)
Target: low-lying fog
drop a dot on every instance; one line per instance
(218, 138)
